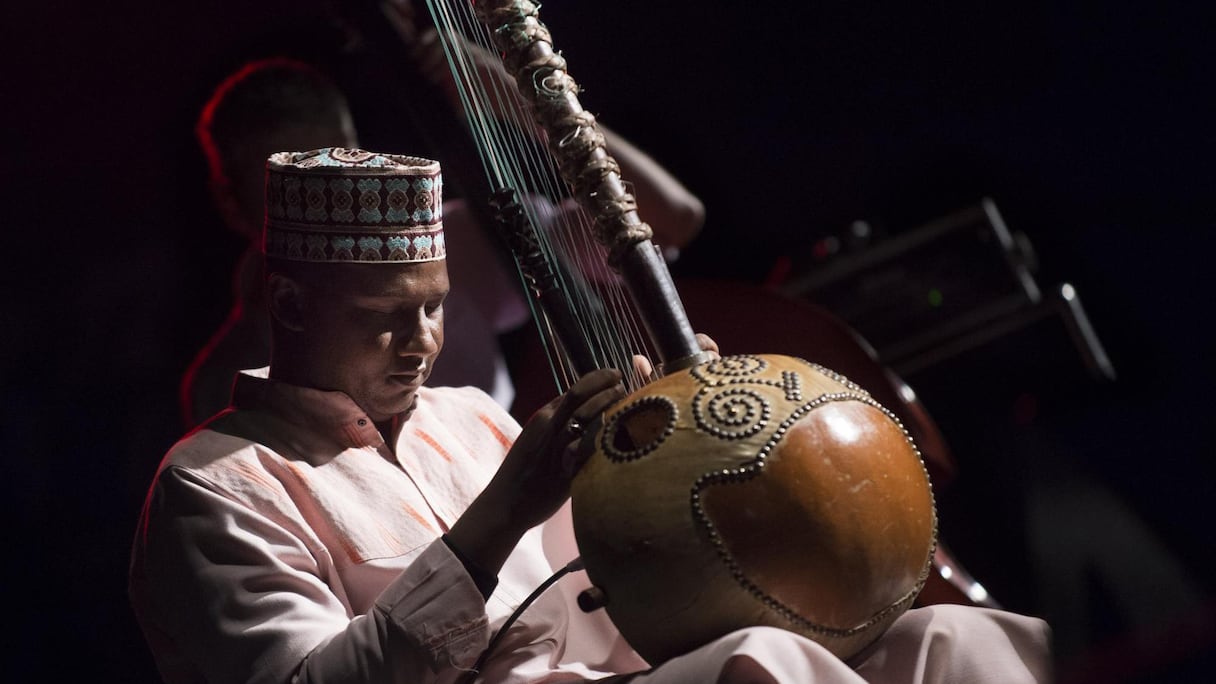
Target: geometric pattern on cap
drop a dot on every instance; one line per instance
(352, 205)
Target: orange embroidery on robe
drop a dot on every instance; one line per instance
(311, 511)
(434, 444)
(506, 443)
(417, 516)
(391, 540)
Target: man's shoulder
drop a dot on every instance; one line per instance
(205, 448)
(234, 467)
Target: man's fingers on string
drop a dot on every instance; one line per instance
(643, 367)
(598, 403)
(592, 383)
(583, 403)
(707, 344)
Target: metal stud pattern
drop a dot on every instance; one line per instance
(732, 413)
(737, 366)
(791, 382)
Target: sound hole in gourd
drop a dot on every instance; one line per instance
(639, 429)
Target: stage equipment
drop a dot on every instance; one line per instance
(943, 288)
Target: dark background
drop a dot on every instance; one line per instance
(1089, 124)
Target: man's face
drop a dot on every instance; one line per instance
(373, 331)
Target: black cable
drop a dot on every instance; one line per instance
(573, 566)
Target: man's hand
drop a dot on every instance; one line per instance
(707, 344)
(645, 368)
(534, 479)
(545, 458)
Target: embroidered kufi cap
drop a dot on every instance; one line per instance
(349, 205)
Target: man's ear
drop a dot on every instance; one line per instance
(286, 301)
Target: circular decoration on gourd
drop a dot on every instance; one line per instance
(732, 413)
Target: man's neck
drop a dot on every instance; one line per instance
(391, 428)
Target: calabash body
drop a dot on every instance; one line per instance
(753, 491)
